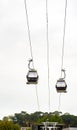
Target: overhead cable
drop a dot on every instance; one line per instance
(63, 45)
(29, 36)
(47, 52)
(59, 102)
(31, 47)
(64, 30)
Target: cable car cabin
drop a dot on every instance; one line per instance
(61, 86)
(32, 77)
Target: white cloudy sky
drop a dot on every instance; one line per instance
(15, 95)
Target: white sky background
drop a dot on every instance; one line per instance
(15, 95)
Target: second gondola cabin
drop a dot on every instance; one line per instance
(32, 77)
(61, 86)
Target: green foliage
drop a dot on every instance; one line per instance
(28, 129)
(25, 120)
(70, 120)
(51, 117)
(7, 125)
(56, 118)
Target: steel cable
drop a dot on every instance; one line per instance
(31, 49)
(63, 45)
(47, 52)
(64, 29)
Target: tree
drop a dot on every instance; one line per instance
(70, 120)
(7, 125)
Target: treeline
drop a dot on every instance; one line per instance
(8, 125)
(25, 119)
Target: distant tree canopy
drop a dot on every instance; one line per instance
(8, 125)
(25, 119)
(70, 120)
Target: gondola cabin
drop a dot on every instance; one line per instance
(32, 77)
(61, 86)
